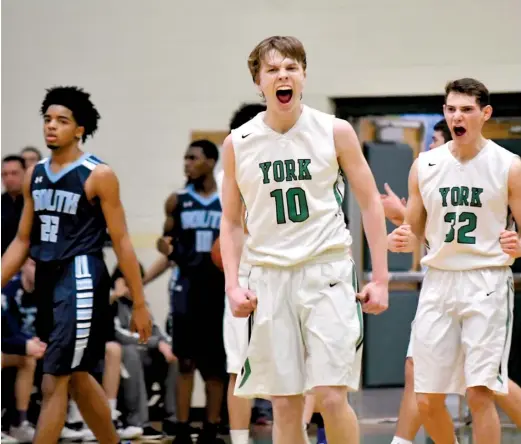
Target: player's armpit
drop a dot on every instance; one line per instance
(18, 250)
(415, 213)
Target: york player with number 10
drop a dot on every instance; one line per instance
(297, 278)
(460, 196)
(70, 199)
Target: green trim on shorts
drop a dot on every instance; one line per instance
(510, 291)
(356, 287)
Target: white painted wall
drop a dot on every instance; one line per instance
(159, 68)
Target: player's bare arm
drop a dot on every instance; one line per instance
(360, 177)
(18, 250)
(511, 240)
(164, 243)
(105, 185)
(232, 235)
(415, 213)
(160, 265)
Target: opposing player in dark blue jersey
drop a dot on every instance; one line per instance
(193, 218)
(70, 199)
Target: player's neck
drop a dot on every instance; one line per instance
(65, 154)
(467, 151)
(282, 122)
(205, 186)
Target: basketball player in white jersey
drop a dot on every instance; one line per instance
(409, 421)
(297, 277)
(459, 198)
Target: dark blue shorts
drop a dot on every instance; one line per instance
(73, 313)
(196, 322)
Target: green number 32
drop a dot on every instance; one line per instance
(463, 231)
(296, 202)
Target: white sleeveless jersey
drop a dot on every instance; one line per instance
(467, 207)
(291, 186)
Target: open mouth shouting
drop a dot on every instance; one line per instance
(284, 94)
(459, 131)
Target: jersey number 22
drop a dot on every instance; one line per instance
(49, 230)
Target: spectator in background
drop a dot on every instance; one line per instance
(20, 347)
(13, 170)
(155, 358)
(31, 155)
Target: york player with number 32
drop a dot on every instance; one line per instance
(70, 199)
(459, 200)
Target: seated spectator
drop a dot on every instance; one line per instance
(155, 356)
(20, 347)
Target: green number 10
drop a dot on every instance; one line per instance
(296, 202)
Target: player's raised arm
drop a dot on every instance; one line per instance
(354, 165)
(232, 231)
(106, 186)
(18, 250)
(510, 240)
(415, 213)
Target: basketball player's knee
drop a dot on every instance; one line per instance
(409, 372)
(113, 352)
(479, 398)
(186, 366)
(285, 410)
(430, 404)
(331, 399)
(51, 384)
(28, 363)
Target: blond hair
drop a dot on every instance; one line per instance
(287, 46)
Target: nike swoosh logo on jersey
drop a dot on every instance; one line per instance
(245, 135)
(333, 284)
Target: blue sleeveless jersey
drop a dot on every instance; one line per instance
(65, 223)
(197, 221)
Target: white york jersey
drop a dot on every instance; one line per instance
(467, 207)
(292, 189)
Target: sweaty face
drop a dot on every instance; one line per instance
(12, 177)
(59, 127)
(197, 165)
(437, 140)
(281, 81)
(464, 117)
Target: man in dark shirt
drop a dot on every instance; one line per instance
(13, 169)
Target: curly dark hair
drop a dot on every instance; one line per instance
(78, 101)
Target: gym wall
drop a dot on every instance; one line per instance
(159, 69)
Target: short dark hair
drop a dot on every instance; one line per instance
(78, 101)
(209, 148)
(245, 113)
(32, 149)
(443, 128)
(469, 87)
(14, 158)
